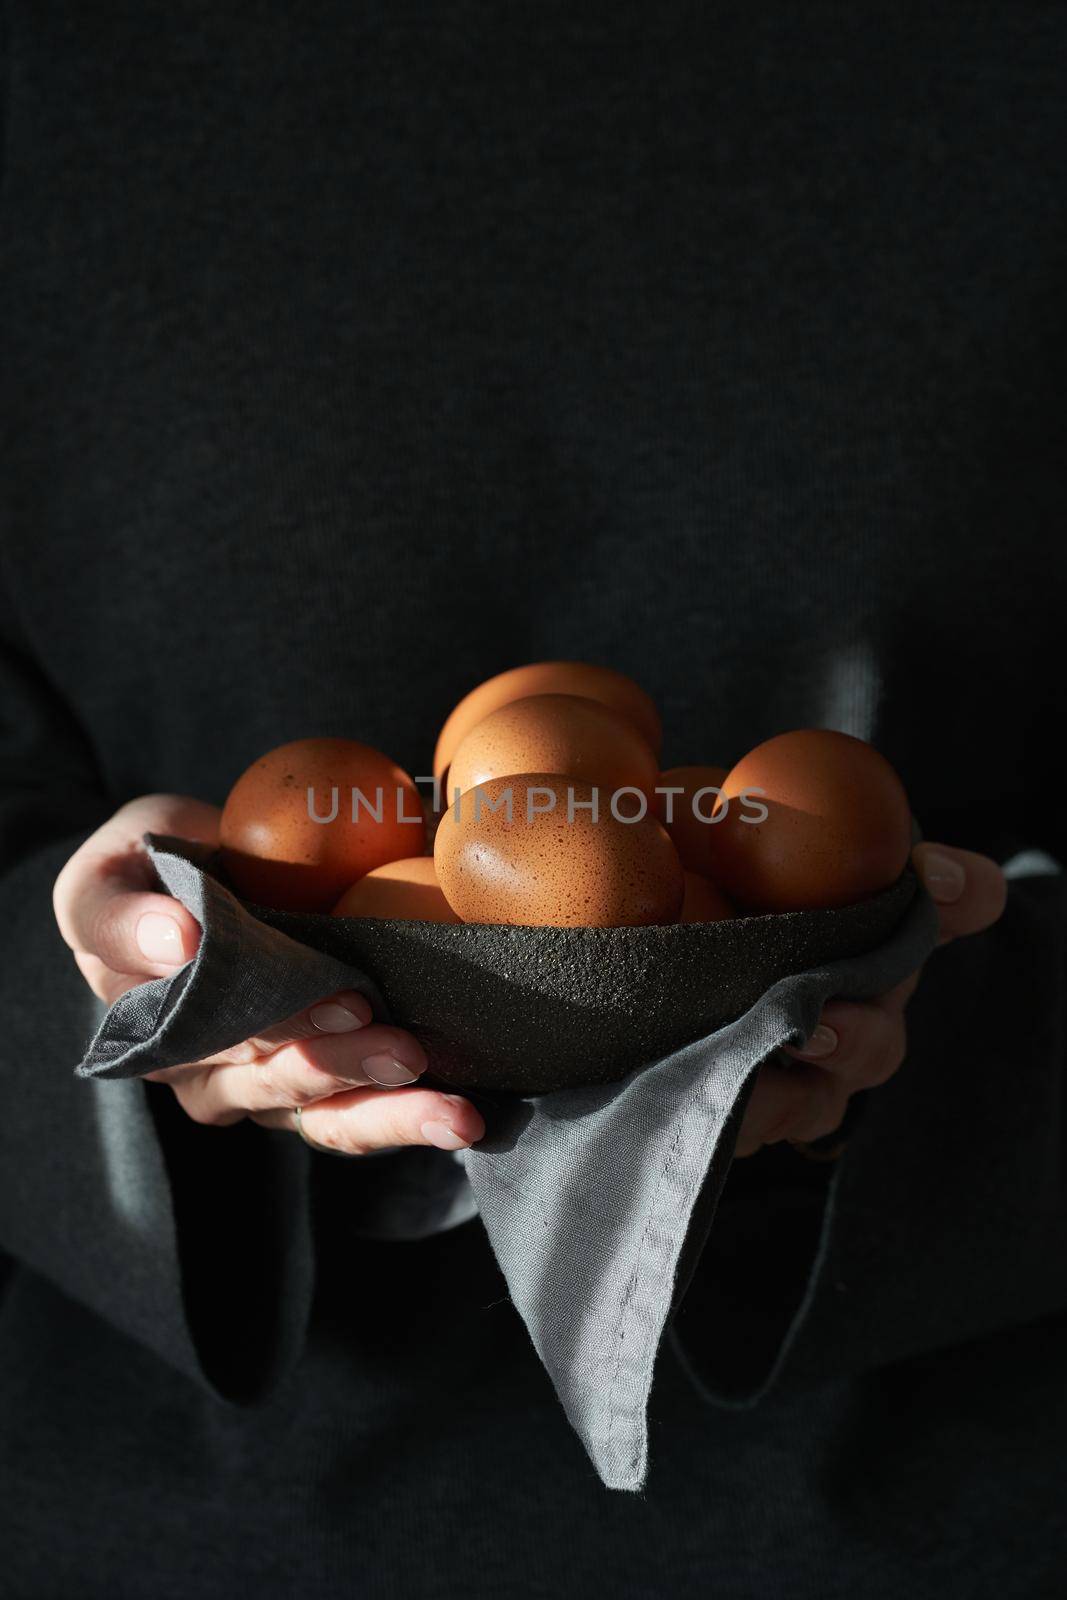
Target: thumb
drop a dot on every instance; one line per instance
(144, 934)
(969, 890)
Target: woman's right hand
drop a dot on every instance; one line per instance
(349, 1075)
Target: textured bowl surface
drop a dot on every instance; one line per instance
(534, 1009)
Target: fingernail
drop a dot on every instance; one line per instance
(387, 1071)
(444, 1137)
(332, 1017)
(943, 876)
(159, 938)
(823, 1042)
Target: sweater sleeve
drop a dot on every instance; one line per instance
(192, 1240)
(945, 1219)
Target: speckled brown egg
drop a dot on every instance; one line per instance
(561, 733)
(703, 901)
(407, 890)
(603, 684)
(277, 851)
(549, 863)
(826, 822)
(689, 818)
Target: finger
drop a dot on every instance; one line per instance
(343, 1012)
(113, 862)
(116, 850)
(380, 1054)
(970, 890)
(306, 1070)
(364, 1120)
(862, 1044)
(337, 1013)
(893, 1002)
(105, 984)
(173, 1075)
(791, 1102)
(143, 935)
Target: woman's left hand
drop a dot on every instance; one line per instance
(859, 1044)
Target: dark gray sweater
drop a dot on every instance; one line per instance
(349, 355)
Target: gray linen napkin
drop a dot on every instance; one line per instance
(597, 1201)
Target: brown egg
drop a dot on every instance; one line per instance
(276, 851)
(406, 889)
(562, 733)
(703, 902)
(837, 826)
(541, 868)
(690, 815)
(549, 677)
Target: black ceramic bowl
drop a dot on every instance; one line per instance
(535, 1009)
